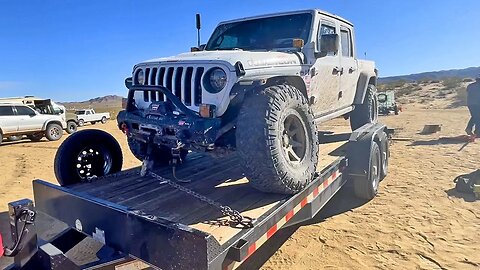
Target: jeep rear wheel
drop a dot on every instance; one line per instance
(161, 155)
(277, 140)
(367, 112)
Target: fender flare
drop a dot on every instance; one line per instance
(364, 80)
(265, 81)
(44, 128)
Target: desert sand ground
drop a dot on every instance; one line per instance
(417, 221)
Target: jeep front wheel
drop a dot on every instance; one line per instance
(277, 140)
(367, 112)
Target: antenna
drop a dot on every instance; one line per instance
(365, 54)
(198, 22)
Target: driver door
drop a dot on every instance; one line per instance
(325, 75)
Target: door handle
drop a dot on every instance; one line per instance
(337, 70)
(351, 70)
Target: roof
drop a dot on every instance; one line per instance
(290, 13)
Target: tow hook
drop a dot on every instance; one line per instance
(176, 160)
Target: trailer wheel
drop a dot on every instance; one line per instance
(104, 120)
(81, 123)
(71, 127)
(366, 187)
(277, 140)
(87, 154)
(367, 112)
(161, 156)
(385, 153)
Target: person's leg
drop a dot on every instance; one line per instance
(471, 122)
(476, 119)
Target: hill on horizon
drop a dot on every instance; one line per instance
(471, 72)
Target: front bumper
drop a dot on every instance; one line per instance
(182, 126)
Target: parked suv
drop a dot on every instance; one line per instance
(18, 120)
(259, 87)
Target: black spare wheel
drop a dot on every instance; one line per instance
(71, 127)
(277, 140)
(85, 155)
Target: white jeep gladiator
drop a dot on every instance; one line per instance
(258, 87)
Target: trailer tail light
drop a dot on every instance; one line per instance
(1, 246)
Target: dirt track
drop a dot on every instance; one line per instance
(416, 222)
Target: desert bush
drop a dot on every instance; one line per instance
(451, 83)
(468, 80)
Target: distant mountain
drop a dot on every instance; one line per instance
(105, 102)
(471, 72)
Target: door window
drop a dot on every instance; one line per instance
(6, 110)
(88, 112)
(346, 40)
(24, 111)
(325, 29)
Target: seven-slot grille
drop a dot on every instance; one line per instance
(183, 81)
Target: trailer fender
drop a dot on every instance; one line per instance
(361, 147)
(2, 250)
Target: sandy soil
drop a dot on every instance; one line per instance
(416, 222)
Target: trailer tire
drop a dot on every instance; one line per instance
(270, 122)
(366, 186)
(86, 154)
(367, 112)
(161, 156)
(385, 153)
(81, 123)
(71, 127)
(104, 120)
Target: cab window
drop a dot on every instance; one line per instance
(325, 29)
(346, 40)
(24, 110)
(6, 110)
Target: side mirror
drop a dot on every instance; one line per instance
(329, 43)
(128, 82)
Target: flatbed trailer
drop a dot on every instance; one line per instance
(122, 221)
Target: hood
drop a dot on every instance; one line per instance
(249, 59)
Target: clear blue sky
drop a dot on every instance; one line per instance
(75, 50)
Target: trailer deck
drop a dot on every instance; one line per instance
(138, 217)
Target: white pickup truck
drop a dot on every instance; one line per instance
(90, 116)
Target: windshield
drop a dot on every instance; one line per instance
(261, 34)
(79, 112)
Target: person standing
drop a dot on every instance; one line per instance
(473, 103)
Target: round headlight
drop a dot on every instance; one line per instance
(217, 80)
(140, 77)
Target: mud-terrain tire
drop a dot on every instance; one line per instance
(36, 137)
(53, 132)
(161, 156)
(1, 137)
(366, 187)
(81, 123)
(86, 154)
(71, 127)
(104, 120)
(367, 112)
(270, 122)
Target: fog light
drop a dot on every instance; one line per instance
(207, 110)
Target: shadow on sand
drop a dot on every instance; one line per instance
(342, 202)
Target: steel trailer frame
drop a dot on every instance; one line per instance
(129, 234)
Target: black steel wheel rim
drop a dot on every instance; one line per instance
(93, 161)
